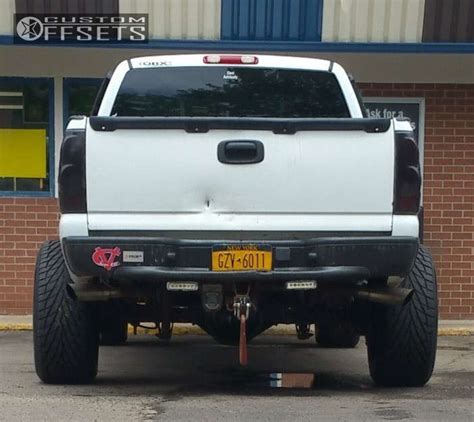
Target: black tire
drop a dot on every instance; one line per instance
(401, 340)
(64, 330)
(340, 336)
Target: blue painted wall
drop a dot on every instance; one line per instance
(271, 20)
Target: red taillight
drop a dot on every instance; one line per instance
(218, 59)
(72, 173)
(407, 175)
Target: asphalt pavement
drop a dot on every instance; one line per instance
(193, 378)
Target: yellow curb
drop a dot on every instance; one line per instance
(195, 330)
(455, 332)
(176, 330)
(16, 327)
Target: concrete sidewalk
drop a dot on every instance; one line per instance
(446, 327)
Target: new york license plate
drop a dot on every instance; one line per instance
(242, 258)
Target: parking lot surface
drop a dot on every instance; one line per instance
(193, 378)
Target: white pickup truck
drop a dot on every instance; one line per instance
(236, 192)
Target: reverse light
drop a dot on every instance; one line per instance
(301, 285)
(189, 286)
(218, 59)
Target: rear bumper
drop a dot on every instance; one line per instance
(160, 259)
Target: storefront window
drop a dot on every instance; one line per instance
(79, 96)
(26, 135)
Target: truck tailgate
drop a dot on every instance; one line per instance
(168, 179)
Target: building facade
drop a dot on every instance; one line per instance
(409, 57)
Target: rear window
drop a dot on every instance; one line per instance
(229, 92)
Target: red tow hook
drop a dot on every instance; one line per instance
(243, 341)
(242, 307)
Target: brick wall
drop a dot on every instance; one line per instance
(25, 223)
(448, 197)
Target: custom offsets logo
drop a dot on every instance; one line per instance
(81, 29)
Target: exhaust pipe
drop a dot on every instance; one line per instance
(92, 293)
(386, 295)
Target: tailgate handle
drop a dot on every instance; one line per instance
(240, 152)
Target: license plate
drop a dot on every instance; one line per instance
(242, 258)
